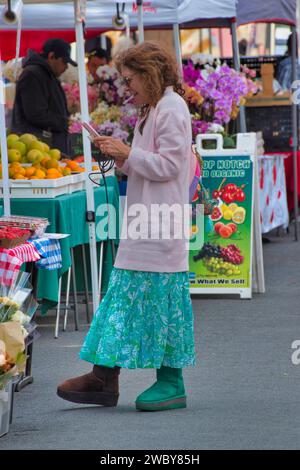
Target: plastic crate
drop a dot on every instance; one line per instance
(39, 188)
(77, 183)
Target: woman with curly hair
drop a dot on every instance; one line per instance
(145, 319)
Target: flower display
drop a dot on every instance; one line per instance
(12, 70)
(116, 121)
(215, 92)
(72, 93)
(70, 75)
(104, 113)
(111, 89)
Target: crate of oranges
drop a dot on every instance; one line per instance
(46, 178)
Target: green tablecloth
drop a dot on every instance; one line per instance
(66, 214)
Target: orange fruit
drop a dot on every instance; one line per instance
(21, 171)
(73, 165)
(34, 178)
(53, 173)
(45, 160)
(30, 171)
(52, 163)
(53, 176)
(19, 176)
(66, 171)
(11, 172)
(40, 174)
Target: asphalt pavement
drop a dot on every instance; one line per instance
(244, 392)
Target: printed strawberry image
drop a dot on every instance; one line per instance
(229, 193)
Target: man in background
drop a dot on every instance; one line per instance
(96, 58)
(284, 73)
(40, 106)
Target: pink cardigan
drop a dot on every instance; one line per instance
(158, 170)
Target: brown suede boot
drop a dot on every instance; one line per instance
(99, 387)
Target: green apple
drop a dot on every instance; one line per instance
(21, 147)
(34, 156)
(27, 139)
(14, 155)
(55, 153)
(36, 145)
(11, 140)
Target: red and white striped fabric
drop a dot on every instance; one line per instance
(272, 192)
(11, 261)
(25, 252)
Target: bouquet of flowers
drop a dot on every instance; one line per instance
(17, 305)
(12, 356)
(110, 85)
(215, 92)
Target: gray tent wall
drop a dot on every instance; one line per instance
(282, 12)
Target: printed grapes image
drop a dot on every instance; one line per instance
(221, 260)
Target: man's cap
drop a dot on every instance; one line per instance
(98, 52)
(60, 48)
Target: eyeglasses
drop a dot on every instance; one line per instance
(125, 81)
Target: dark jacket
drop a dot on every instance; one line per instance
(40, 103)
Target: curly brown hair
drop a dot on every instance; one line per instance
(157, 68)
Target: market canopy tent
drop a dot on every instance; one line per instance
(211, 13)
(268, 11)
(282, 12)
(41, 21)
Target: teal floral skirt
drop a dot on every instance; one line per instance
(145, 320)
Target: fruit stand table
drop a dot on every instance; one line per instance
(66, 214)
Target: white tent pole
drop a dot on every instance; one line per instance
(3, 147)
(140, 21)
(87, 157)
(236, 63)
(176, 37)
(103, 40)
(295, 130)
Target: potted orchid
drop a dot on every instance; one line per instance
(214, 93)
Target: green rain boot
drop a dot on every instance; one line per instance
(167, 393)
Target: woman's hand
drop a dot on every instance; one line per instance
(113, 147)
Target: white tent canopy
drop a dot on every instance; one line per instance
(100, 12)
(271, 11)
(199, 12)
